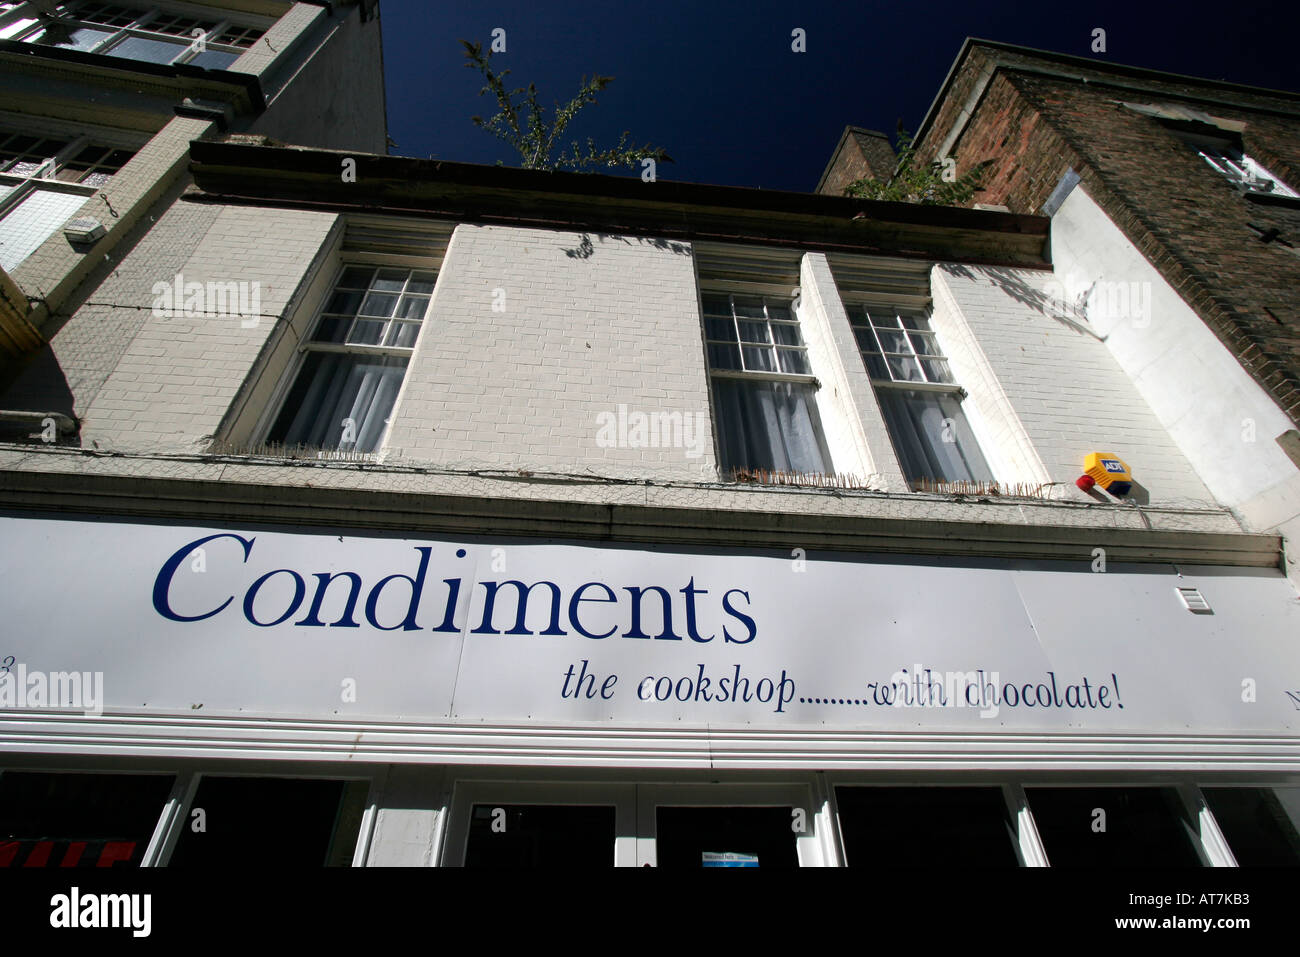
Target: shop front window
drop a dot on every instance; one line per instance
(1115, 827)
(920, 827)
(295, 822)
(78, 820)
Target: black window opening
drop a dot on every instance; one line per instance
(1114, 827)
(279, 822)
(691, 837)
(1259, 830)
(1224, 152)
(926, 827)
(78, 820)
(540, 835)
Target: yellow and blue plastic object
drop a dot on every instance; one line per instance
(1107, 470)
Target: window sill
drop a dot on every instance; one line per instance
(1273, 199)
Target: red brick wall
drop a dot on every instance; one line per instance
(1183, 215)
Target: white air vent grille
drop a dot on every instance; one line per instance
(1195, 601)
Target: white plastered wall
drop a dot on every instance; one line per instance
(1223, 421)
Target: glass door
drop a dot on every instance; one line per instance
(727, 825)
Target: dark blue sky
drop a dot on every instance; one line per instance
(717, 85)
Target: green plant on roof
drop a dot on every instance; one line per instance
(930, 184)
(522, 122)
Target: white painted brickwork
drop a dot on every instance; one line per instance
(850, 413)
(583, 330)
(55, 266)
(178, 376)
(1032, 376)
(1221, 418)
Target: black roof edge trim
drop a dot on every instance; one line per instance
(251, 84)
(327, 162)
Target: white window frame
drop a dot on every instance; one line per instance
(276, 403)
(728, 291)
(862, 317)
(1248, 174)
(14, 27)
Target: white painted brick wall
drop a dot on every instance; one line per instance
(1056, 386)
(855, 428)
(582, 332)
(177, 377)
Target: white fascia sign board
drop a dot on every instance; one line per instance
(339, 628)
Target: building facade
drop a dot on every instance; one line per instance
(1175, 209)
(539, 517)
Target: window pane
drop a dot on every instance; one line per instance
(403, 334)
(378, 304)
(78, 820)
(924, 343)
(345, 302)
(109, 13)
(147, 50)
(356, 277)
(332, 329)
(794, 361)
(533, 836)
(904, 369)
(1145, 827)
(913, 321)
(749, 308)
(27, 167)
(69, 38)
(367, 332)
(389, 280)
(758, 360)
(779, 312)
(715, 305)
(931, 436)
(413, 307)
(340, 402)
(876, 367)
(893, 341)
(786, 335)
(214, 59)
(957, 827)
(177, 26)
(724, 356)
(936, 370)
(1256, 824)
(422, 283)
(34, 220)
(753, 331)
(769, 425)
(273, 822)
(867, 341)
(691, 837)
(723, 329)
